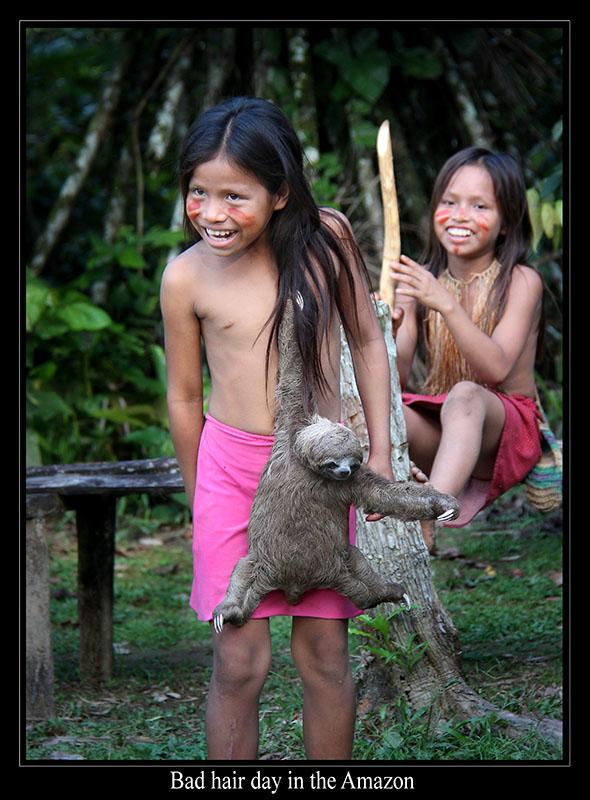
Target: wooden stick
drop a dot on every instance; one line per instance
(392, 239)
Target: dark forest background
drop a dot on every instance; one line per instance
(106, 109)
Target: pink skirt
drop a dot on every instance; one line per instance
(518, 451)
(229, 465)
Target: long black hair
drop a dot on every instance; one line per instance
(257, 137)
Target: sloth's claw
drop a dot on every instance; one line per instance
(407, 601)
(448, 514)
(218, 622)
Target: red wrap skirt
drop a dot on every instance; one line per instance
(518, 451)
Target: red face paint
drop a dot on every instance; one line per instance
(483, 224)
(192, 208)
(456, 250)
(442, 216)
(241, 216)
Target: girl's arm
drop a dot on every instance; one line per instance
(405, 332)
(370, 361)
(183, 364)
(491, 357)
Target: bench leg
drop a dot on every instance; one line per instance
(95, 522)
(39, 700)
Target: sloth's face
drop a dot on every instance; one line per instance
(329, 449)
(341, 469)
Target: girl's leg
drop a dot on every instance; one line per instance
(462, 444)
(472, 419)
(241, 661)
(423, 432)
(320, 653)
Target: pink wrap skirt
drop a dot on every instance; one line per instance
(519, 450)
(229, 465)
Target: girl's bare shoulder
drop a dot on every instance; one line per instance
(526, 280)
(180, 273)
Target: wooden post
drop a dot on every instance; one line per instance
(95, 522)
(39, 654)
(392, 237)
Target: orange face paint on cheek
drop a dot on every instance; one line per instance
(241, 216)
(192, 208)
(442, 216)
(483, 224)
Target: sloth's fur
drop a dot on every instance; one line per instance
(298, 529)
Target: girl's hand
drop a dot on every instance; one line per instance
(383, 468)
(414, 280)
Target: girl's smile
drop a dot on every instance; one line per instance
(228, 207)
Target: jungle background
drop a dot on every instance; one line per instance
(106, 109)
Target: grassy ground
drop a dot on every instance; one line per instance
(500, 579)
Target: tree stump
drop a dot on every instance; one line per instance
(397, 549)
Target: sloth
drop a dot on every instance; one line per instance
(298, 526)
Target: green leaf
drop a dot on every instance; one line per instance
(48, 327)
(155, 439)
(48, 405)
(535, 216)
(158, 237)
(419, 62)
(84, 317)
(548, 219)
(33, 450)
(37, 294)
(131, 257)
(159, 360)
(392, 738)
(129, 414)
(366, 73)
(364, 134)
(369, 74)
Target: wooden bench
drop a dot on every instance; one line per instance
(91, 490)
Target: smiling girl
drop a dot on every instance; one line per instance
(260, 240)
(474, 429)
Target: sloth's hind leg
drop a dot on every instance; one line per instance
(243, 595)
(363, 586)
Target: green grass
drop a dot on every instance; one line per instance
(498, 578)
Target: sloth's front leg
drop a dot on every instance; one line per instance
(243, 595)
(405, 500)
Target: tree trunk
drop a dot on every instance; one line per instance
(220, 59)
(397, 549)
(465, 102)
(161, 134)
(304, 118)
(370, 236)
(95, 135)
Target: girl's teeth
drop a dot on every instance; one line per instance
(459, 232)
(219, 234)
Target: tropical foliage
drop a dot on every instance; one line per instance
(106, 110)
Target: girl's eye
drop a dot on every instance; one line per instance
(447, 202)
(196, 192)
(480, 206)
(234, 197)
